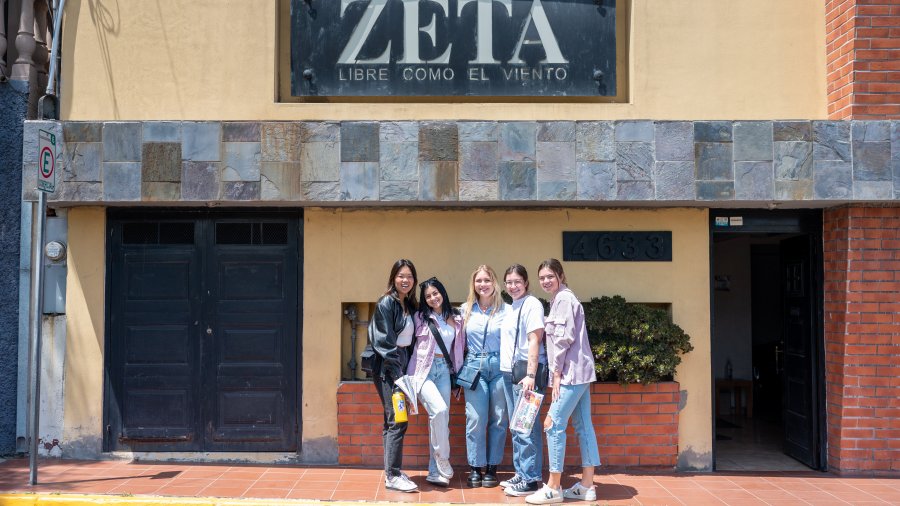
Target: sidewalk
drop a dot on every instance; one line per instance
(135, 483)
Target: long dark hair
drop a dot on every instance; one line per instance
(557, 268)
(410, 300)
(446, 309)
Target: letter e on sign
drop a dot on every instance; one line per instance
(46, 166)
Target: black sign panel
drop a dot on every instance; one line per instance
(453, 47)
(617, 246)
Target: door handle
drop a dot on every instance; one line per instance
(779, 368)
(209, 331)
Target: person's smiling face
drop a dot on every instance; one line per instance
(433, 299)
(403, 281)
(549, 280)
(484, 285)
(516, 286)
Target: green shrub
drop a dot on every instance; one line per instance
(633, 343)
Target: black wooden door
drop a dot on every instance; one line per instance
(202, 333)
(800, 404)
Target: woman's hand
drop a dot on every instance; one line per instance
(527, 383)
(556, 378)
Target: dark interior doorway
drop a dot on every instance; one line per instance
(767, 340)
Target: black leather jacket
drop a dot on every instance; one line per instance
(384, 326)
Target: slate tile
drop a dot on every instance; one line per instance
(240, 190)
(399, 161)
(634, 161)
(832, 179)
(479, 131)
(359, 142)
(241, 131)
(712, 131)
(793, 161)
(160, 191)
(518, 180)
(753, 141)
(438, 181)
(634, 131)
(556, 131)
(399, 191)
(161, 161)
(321, 161)
(241, 162)
(478, 191)
(556, 161)
(82, 131)
(438, 142)
(319, 131)
(674, 180)
(595, 141)
(556, 190)
(399, 131)
(754, 180)
(792, 131)
(162, 131)
(713, 161)
(279, 142)
(518, 141)
(794, 190)
(201, 142)
(321, 191)
(872, 190)
(199, 181)
(359, 181)
(831, 140)
(121, 142)
(82, 161)
(478, 161)
(872, 161)
(635, 190)
(121, 181)
(596, 181)
(674, 141)
(715, 190)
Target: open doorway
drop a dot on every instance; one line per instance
(767, 369)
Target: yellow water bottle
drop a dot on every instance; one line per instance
(399, 401)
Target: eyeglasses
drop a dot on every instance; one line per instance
(515, 282)
(429, 281)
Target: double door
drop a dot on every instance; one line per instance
(202, 332)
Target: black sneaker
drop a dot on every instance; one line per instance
(522, 488)
(512, 481)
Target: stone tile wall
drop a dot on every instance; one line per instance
(558, 162)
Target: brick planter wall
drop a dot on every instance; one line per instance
(862, 339)
(636, 426)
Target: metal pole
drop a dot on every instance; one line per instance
(37, 285)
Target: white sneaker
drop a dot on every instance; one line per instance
(438, 480)
(580, 492)
(512, 481)
(545, 495)
(401, 483)
(443, 467)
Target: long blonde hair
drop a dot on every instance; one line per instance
(497, 298)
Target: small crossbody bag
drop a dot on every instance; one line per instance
(468, 376)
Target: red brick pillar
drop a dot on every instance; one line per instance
(862, 339)
(862, 40)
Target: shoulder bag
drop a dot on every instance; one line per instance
(520, 367)
(440, 343)
(468, 376)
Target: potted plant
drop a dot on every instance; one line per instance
(633, 343)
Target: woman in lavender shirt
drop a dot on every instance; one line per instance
(571, 373)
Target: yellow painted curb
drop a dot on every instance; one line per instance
(52, 499)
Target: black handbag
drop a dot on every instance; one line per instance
(468, 376)
(520, 367)
(440, 342)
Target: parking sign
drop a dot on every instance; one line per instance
(46, 167)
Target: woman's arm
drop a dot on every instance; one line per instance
(383, 336)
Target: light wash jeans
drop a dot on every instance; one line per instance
(435, 398)
(574, 401)
(528, 449)
(486, 413)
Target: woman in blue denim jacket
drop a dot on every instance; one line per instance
(572, 371)
(486, 413)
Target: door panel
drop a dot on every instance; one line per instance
(203, 335)
(799, 410)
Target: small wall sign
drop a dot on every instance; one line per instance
(617, 246)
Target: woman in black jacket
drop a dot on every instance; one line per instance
(390, 334)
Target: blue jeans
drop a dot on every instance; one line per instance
(574, 401)
(528, 449)
(486, 413)
(435, 398)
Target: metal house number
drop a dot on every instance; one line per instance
(617, 246)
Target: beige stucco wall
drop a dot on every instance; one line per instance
(348, 254)
(689, 59)
(85, 302)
